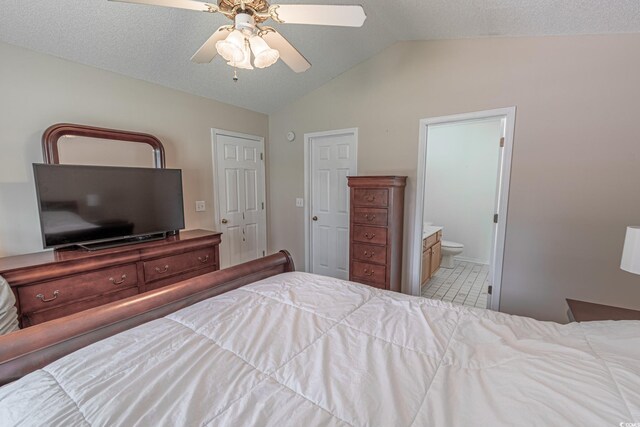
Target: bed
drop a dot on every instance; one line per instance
(299, 349)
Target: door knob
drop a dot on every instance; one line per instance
(315, 218)
(224, 221)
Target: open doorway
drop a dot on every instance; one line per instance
(461, 207)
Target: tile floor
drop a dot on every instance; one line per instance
(466, 284)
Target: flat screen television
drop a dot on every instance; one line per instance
(89, 205)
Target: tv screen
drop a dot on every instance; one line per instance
(88, 204)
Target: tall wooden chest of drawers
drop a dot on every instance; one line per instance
(376, 218)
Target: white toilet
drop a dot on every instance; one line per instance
(449, 250)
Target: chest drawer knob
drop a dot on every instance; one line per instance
(369, 235)
(122, 279)
(369, 254)
(163, 269)
(203, 260)
(370, 217)
(368, 272)
(43, 299)
(370, 198)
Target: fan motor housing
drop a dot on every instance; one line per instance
(259, 9)
(259, 5)
(245, 23)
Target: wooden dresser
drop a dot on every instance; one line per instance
(376, 218)
(49, 285)
(583, 311)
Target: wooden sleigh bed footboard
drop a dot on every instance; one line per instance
(32, 348)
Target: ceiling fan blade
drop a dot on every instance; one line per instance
(208, 51)
(312, 14)
(288, 53)
(179, 4)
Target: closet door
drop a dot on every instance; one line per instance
(240, 185)
(333, 159)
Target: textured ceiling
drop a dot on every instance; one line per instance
(155, 43)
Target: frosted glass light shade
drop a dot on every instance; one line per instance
(631, 252)
(246, 62)
(232, 48)
(264, 56)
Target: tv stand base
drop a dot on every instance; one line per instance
(122, 242)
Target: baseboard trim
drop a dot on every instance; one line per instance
(474, 260)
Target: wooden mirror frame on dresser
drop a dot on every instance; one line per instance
(52, 135)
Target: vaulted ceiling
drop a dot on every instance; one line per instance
(155, 43)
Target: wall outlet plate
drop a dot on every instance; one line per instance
(299, 202)
(200, 206)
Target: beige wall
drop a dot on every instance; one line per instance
(576, 165)
(37, 91)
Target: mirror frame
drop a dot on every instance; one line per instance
(52, 135)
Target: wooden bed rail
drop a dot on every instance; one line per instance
(32, 348)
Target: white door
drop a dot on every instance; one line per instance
(240, 185)
(333, 157)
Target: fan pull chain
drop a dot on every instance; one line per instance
(235, 74)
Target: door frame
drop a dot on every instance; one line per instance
(308, 193)
(504, 179)
(216, 200)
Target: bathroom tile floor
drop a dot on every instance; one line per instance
(466, 284)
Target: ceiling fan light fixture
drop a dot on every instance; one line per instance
(248, 17)
(232, 48)
(264, 56)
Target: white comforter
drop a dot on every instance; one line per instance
(304, 350)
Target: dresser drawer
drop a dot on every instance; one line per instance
(370, 273)
(369, 283)
(160, 268)
(369, 253)
(371, 197)
(370, 234)
(70, 289)
(370, 216)
(34, 318)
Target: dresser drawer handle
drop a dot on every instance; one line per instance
(163, 269)
(369, 254)
(123, 278)
(43, 299)
(203, 260)
(371, 198)
(370, 217)
(368, 273)
(369, 236)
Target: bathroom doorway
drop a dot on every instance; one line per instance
(461, 207)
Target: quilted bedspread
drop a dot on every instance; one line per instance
(304, 350)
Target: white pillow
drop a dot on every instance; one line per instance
(8, 312)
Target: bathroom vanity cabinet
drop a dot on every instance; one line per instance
(431, 255)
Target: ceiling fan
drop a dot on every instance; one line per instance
(246, 36)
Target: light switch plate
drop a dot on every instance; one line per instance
(200, 206)
(299, 202)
